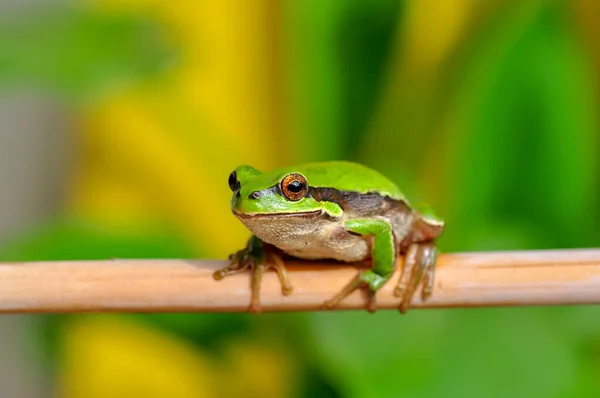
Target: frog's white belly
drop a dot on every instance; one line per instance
(308, 237)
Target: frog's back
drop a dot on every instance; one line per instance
(347, 176)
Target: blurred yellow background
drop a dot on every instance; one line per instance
(120, 122)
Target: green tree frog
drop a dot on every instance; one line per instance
(332, 210)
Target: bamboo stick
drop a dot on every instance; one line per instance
(479, 279)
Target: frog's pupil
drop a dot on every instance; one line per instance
(295, 186)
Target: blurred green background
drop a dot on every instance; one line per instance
(121, 120)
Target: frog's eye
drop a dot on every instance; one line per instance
(234, 184)
(294, 186)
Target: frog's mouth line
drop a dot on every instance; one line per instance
(306, 214)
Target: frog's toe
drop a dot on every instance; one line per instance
(372, 304)
(419, 266)
(368, 278)
(236, 265)
(374, 282)
(257, 274)
(329, 304)
(229, 270)
(410, 259)
(354, 284)
(255, 307)
(277, 263)
(428, 279)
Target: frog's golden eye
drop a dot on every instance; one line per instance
(294, 186)
(234, 184)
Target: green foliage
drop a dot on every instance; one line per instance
(529, 133)
(78, 52)
(73, 239)
(458, 353)
(336, 70)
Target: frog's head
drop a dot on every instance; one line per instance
(280, 192)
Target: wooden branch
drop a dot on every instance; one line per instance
(554, 277)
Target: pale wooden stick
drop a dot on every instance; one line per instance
(552, 277)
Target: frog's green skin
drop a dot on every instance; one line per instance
(349, 212)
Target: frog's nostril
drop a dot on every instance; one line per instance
(255, 195)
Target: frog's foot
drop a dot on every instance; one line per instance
(419, 267)
(364, 278)
(238, 262)
(258, 263)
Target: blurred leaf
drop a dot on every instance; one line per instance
(524, 141)
(108, 356)
(501, 352)
(569, 150)
(257, 368)
(78, 240)
(204, 330)
(456, 353)
(377, 355)
(404, 136)
(335, 71)
(76, 51)
(364, 45)
(111, 356)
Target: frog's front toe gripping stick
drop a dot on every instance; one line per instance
(259, 262)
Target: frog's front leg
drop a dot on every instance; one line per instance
(257, 256)
(383, 259)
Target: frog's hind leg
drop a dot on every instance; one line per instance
(383, 256)
(419, 266)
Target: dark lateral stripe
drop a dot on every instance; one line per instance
(327, 195)
(363, 204)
